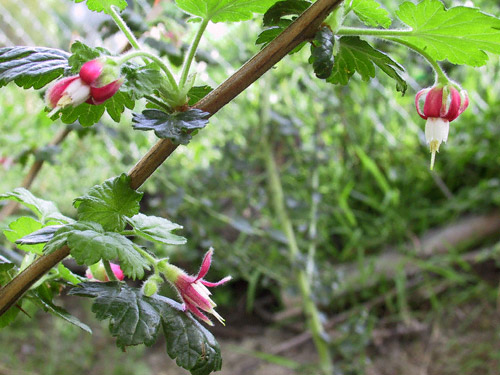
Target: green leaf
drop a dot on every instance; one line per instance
(109, 203)
(21, 227)
(116, 105)
(81, 53)
(156, 229)
(85, 114)
(280, 16)
(9, 316)
(191, 345)
(67, 275)
(140, 81)
(134, 318)
(104, 5)
(225, 10)
(275, 15)
(89, 243)
(356, 55)
(459, 34)
(31, 66)
(45, 210)
(175, 126)
(322, 52)
(47, 305)
(197, 93)
(371, 13)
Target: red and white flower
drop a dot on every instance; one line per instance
(442, 104)
(92, 85)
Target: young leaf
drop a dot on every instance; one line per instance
(89, 243)
(156, 229)
(109, 203)
(20, 228)
(45, 210)
(459, 34)
(104, 5)
(175, 126)
(356, 55)
(140, 81)
(134, 318)
(81, 53)
(322, 52)
(370, 13)
(197, 93)
(31, 66)
(225, 10)
(67, 275)
(191, 345)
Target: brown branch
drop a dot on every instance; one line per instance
(12, 206)
(304, 28)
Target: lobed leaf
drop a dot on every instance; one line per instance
(109, 203)
(31, 66)
(225, 10)
(191, 345)
(356, 55)
(371, 13)
(104, 5)
(460, 35)
(175, 126)
(156, 229)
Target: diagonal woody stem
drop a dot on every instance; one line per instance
(304, 28)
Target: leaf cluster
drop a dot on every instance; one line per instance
(136, 319)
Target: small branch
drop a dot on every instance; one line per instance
(302, 29)
(12, 206)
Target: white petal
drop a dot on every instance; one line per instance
(78, 91)
(436, 129)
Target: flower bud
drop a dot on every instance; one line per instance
(97, 272)
(91, 71)
(150, 287)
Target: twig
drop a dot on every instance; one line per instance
(304, 28)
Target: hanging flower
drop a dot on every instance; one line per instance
(442, 104)
(97, 272)
(193, 289)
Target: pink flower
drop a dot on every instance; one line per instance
(98, 273)
(442, 104)
(193, 289)
(92, 85)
